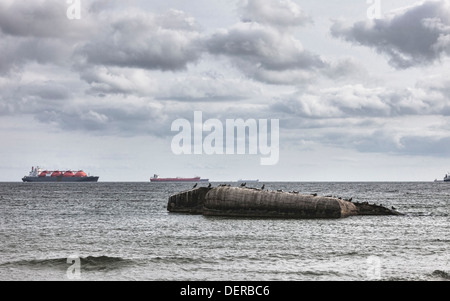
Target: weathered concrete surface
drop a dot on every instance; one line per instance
(251, 202)
(190, 201)
(233, 201)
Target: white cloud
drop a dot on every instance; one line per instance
(114, 80)
(277, 13)
(361, 101)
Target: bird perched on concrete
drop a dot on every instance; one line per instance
(262, 188)
(314, 194)
(243, 184)
(209, 186)
(393, 208)
(195, 185)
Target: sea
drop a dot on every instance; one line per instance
(108, 231)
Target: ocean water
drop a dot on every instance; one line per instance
(123, 231)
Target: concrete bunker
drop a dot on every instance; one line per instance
(251, 202)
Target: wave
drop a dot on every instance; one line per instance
(183, 260)
(89, 263)
(425, 213)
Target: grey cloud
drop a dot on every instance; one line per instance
(375, 136)
(387, 141)
(263, 47)
(108, 36)
(38, 31)
(46, 90)
(121, 120)
(407, 121)
(26, 18)
(436, 84)
(423, 145)
(18, 51)
(265, 54)
(346, 69)
(141, 40)
(42, 19)
(342, 102)
(53, 103)
(418, 35)
(32, 98)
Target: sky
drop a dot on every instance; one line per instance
(360, 88)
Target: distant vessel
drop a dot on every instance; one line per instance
(156, 178)
(446, 178)
(248, 181)
(39, 175)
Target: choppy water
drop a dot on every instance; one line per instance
(122, 231)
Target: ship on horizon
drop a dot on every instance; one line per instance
(446, 178)
(156, 178)
(39, 175)
(248, 181)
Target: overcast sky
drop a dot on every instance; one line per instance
(360, 94)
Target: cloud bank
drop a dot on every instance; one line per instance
(127, 71)
(414, 36)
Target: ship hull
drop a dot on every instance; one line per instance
(60, 179)
(165, 180)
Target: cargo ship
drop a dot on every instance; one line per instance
(248, 181)
(39, 175)
(156, 178)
